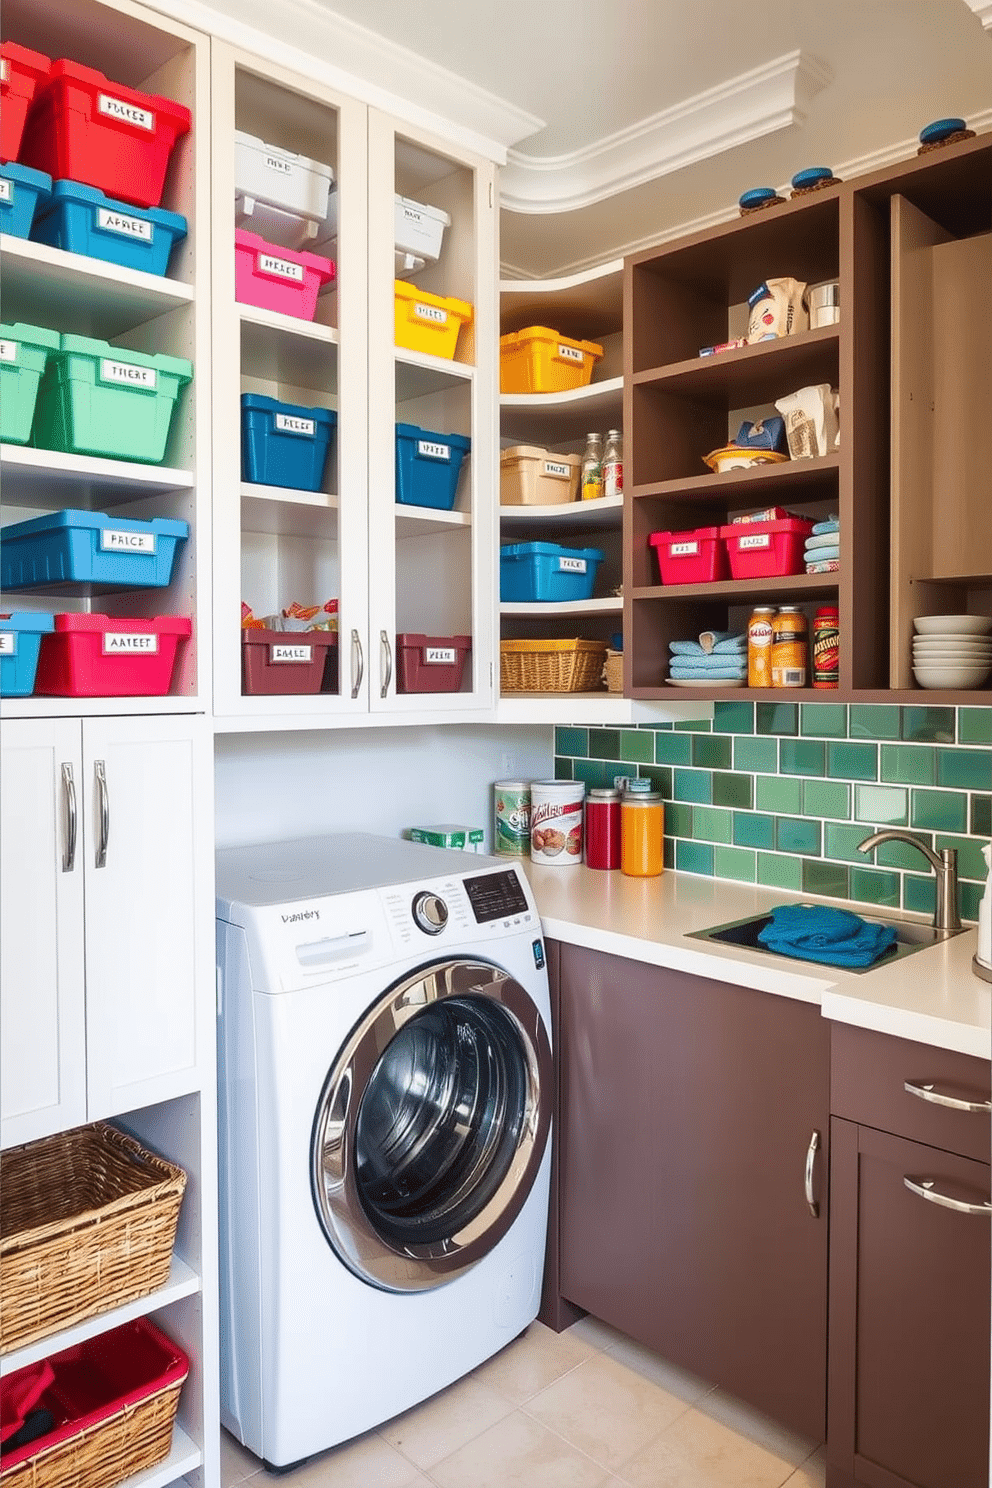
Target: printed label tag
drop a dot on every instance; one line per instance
(8, 642)
(409, 215)
(431, 312)
(6, 190)
(760, 540)
(282, 166)
(290, 651)
(128, 227)
(440, 655)
(551, 467)
(8, 351)
(570, 353)
(280, 267)
(683, 550)
(4, 70)
(129, 643)
(433, 451)
(287, 423)
(128, 375)
(127, 542)
(571, 565)
(126, 113)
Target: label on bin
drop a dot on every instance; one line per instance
(440, 655)
(683, 550)
(551, 467)
(433, 451)
(6, 190)
(571, 565)
(571, 353)
(125, 113)
(8, 351)
(128, 227)
(410, 215)
(431, 312)
(128, 374)
(112, 541)
(4, 70)
(280, 267)
(288, 423)
(282, 166)
(130, 643)
(8, 642)
(758, 540)
(290, 651)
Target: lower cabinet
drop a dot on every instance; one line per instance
(692, 1193)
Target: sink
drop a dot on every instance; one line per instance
(910, 937)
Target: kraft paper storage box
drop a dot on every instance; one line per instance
(98, 399)
(546, 572)
(428, 466)
(532, 476)
(285, 444)
(83, 127)
(83, 219)
(21, 70)
(90, 548)
(24, 354)
(288, 661)
(430, 663)
(541, 360)
(23, 195)
(20, 642)
(279, 279)
(278, 193)
(428, 322)
(96, 655)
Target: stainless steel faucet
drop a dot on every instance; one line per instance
(945, 915)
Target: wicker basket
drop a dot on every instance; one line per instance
(551, 666)
(88, 1223)
(613, 671)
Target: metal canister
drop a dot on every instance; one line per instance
(556, 809)
(511, 818)
(790, 648)
(826, 647)
(759, 647)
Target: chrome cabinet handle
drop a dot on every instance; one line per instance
(100, 771)
(811, 1151)
(384, 646)
(357, 663)
(940, 1095)
(949, 1196)
(69, 793)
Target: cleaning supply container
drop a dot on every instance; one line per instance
(82, 219)
(83, 127)
(21, 71)
(96, 655)
(89, 548)
(285, 444)
(23, 195)
(24, 354)
(642, 830)
(277, 193)
(428, 322)
(20, 642)
(275, 278)
(428, 466)
(540, 360)
(430, 663)
(532, 476)
(546, 572)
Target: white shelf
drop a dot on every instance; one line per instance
(611, 605)
(419, 521)
(588, 304)
(283, 348)
(282, 511)
(183, 1458)
(531, 417)
(597, 709)
(49, 479)
(183, 1282)
(418, 374)
(607, 511)
(83, 707)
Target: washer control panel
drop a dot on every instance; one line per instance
(430, 913)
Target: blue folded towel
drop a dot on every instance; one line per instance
(817, 932)
(821, 555)
(833, 525)
(708, 663)
(710, 643)
(728, 671)
(823, 539)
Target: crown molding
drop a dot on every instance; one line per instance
(983, 10)
(774, 96)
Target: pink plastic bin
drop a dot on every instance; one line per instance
(276, 278)
(764, 550)
(697, 557)
(95, 655)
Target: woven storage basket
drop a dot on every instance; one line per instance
(613, 671)
(88, 1223)
(551, 666)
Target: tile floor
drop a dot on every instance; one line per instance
(579, 1409)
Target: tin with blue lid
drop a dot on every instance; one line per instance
(939, 130)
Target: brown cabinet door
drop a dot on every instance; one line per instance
(909, 1315)
(687, 1112)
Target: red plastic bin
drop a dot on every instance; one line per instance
(83, 127)
(285, 661)
(21, 71)
(110, 656)
(765, 550)
(697, 557)
(430, 663)
(276, 278)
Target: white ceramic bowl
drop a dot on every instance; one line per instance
(952, 646)
(959, 674)
(953, 624)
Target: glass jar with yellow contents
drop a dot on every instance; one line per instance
(642, 830)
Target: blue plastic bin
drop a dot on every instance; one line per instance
(82, 219)
(20, 642)
(23, 193)
(89, 547)
(546, 572)
(428, 466)
(285, 444)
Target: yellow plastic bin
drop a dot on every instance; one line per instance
(540, 360)
(531, 476)
(428, 322)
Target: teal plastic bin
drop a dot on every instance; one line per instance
(98, 399)
(24, 351)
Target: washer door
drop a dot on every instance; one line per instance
(432, 1125)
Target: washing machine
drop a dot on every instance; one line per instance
(384, 1112)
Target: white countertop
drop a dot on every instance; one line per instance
(932, 996)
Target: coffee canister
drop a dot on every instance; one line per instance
(556, 808)
(511, 818)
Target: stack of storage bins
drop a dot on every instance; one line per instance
(280, 201)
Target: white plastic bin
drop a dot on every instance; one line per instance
(280, 195)
(418, 233)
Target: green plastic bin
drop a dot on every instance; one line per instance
(98, 399)
(24, 350)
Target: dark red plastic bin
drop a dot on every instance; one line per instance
(95, 655)
(21, 71)
(697, 557)
(430, 663)
(285, 661)
(83, 127)
(766, 550)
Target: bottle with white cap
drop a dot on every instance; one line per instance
(984, 953)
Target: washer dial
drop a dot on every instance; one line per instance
(430, 912)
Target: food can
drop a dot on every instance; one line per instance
(511, 818)
(759, 647)
(826, 647)
(556, 808)
(790, 648)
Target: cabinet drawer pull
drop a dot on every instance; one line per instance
(69, 792)
(357, 663)
(811, 1151)
(100, 771)
(950, 1196)
(385, 649)
(941, 1095)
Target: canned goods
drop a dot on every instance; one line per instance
(789, 648)
(759, 647)
(556, 821)
(511, 818)
(826, 647)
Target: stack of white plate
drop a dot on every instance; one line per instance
(952, 651)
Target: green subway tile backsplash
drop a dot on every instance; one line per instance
(782, 793)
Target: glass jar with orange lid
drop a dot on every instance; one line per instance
(642, 830)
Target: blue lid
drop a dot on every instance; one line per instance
(260, 403)
(31, 620)
(811, 175)
(940, 129)
(549, 550)
(757, 195)
(161, 526)
(90, 196)
(26, 175)
(412, 431)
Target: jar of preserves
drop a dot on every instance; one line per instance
(603, 829)
(826, 646)
(591, 475)
(759, 646)
(790, 648)
(642, 830)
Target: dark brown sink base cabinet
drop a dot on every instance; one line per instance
(688, 1113)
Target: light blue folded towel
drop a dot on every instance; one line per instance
(832, 525)
(821, 555)
(727, 643)
(727, 670)
(824, 539)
